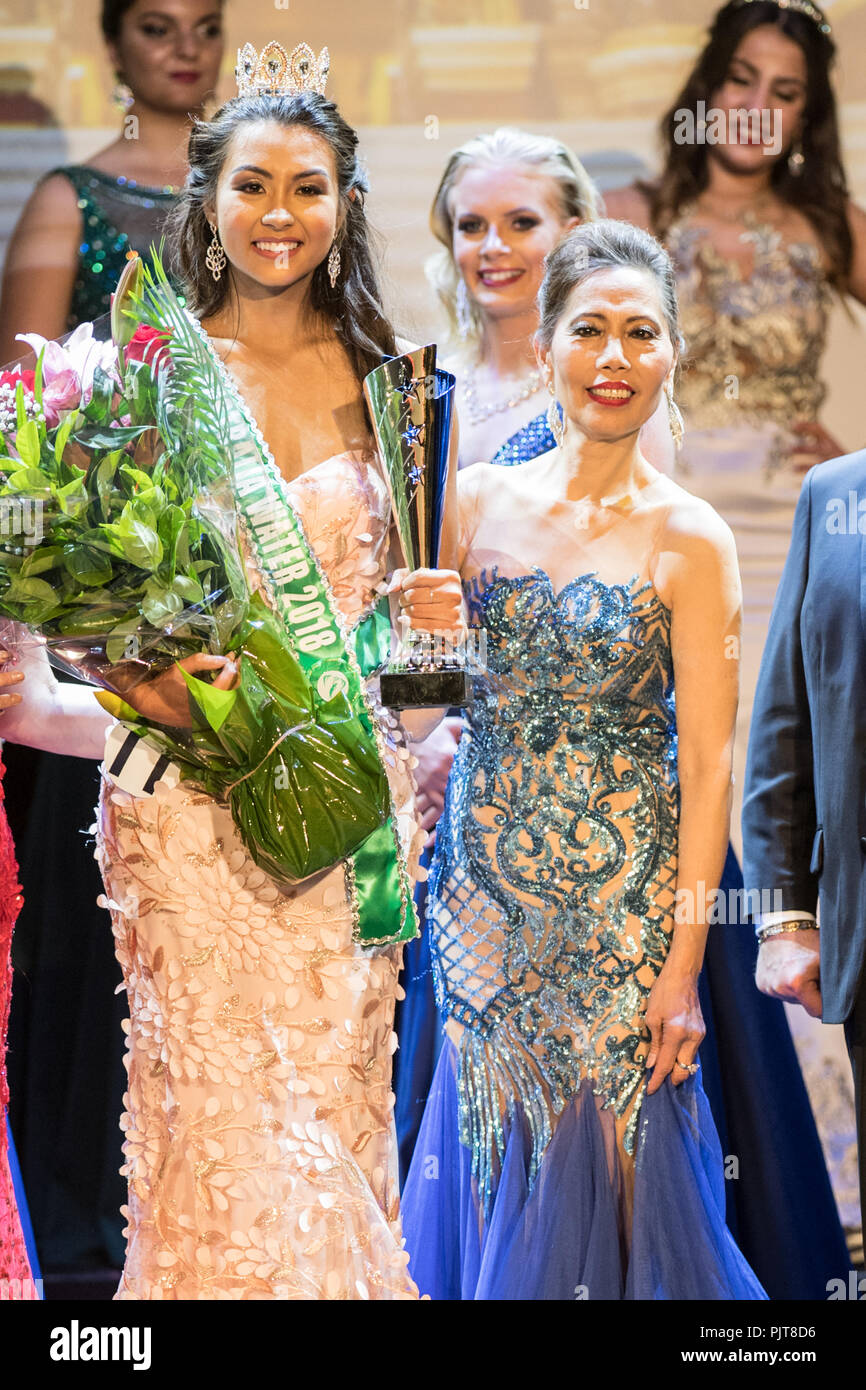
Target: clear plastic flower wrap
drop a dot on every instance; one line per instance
(119, 544)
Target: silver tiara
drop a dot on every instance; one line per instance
(802, 7)
(274, 72)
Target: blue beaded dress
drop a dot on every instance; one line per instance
(779, 1203)
(542, 1169)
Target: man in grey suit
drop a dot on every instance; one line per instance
(804, 802)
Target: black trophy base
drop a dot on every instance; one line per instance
(426, 689)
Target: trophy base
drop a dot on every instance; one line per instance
(426, 689)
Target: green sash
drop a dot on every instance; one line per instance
(376, 874)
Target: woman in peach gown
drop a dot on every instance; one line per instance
(260, 1146)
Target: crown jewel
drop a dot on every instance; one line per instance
(274, 72)
(804, 7)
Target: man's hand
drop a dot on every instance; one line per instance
(789, 967)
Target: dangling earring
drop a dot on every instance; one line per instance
(333, 265)
(796, 160)
(555, 418)
(215, 259)
(122, 95)
(462, 309)
(675, 419)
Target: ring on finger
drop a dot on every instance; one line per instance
(690, 1067)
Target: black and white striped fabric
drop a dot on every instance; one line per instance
(135, 764)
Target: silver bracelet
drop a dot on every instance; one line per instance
(781, 928)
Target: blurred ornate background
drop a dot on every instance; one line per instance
(417, 77)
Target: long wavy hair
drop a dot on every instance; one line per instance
(820, 191)
(353, 305)
(577, 196)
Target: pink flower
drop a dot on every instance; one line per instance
(68, 369)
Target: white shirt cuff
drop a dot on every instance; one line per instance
(766, 919)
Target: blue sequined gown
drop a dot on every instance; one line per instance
(542, 1169)
(779, 1201)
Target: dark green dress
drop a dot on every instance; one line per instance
(119, 216)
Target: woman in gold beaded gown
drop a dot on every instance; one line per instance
(763, 235)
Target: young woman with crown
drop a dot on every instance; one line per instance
(260, 1146)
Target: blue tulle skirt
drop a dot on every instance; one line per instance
(563, 1238)
(780, 1206)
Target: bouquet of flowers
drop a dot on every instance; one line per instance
(119, 544)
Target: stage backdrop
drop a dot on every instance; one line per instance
(418, 77)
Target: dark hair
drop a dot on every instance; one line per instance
(820, 191)
(354, 304)
(605, 245)
(112, 17)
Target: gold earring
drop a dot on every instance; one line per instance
(675, 419)
(215, 260)
(555, 418)
(334, 265)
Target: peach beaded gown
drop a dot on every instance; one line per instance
(259, 1138)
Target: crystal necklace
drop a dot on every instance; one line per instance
(753, 208)
(479, 411)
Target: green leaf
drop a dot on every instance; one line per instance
(170, 527)
(87, 565)
(72, 497)
(160, 605)
(140, 391)
(126, 291)
(21, 590)
(29, 480)
(188, 589)
(85, 621)
(99, 438)
(37, 378)
(117, 646)
(103, 476)
(46, 557)
(28, 443)
(139, 542)
(98, 408)
(63, 432)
